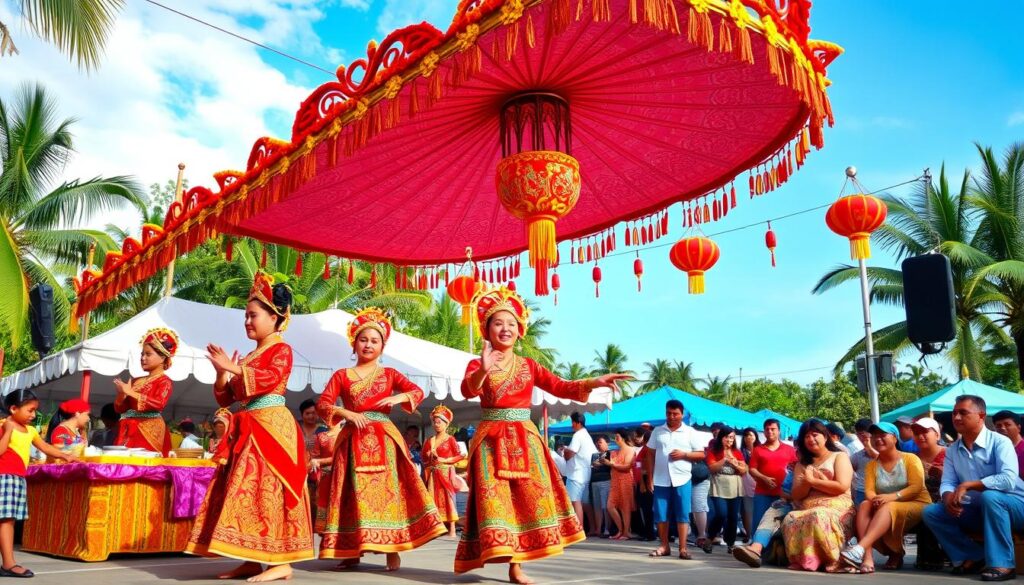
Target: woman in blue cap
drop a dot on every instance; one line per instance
(894, 500)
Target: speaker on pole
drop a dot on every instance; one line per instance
(41, 318)
(929, 301)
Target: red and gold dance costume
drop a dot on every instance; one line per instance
(442, 480)
(509, 464)
(257, 506)
(378, 502)
(323, 447)
(142, 425)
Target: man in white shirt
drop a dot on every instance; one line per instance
(190, 440)
(577, 469)
(672, 449)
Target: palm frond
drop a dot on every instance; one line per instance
(79, 28)
(78, 201)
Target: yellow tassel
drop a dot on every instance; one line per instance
(696, 282)
(73, 323)
(540, 235)
(745, 49)
(860, 246)
(531, 36)
(805, 141)
(724, 37)
(467, 311)
(559, 17)
(511, 40)
(633, 16)
(579, 10)
(602, 10)
(699, 30)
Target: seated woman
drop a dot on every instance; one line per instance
(894, 499)
(66, 430)
(930, 556)
(823, 521)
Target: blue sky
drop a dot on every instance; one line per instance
(918, 84)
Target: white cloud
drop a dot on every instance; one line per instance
(1015, 119)
(168, 92)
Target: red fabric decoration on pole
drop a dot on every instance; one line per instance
(327, 268)
(230, 251)
(638, 270)
(263, 258)
(352, 273)
(298, 266)
(597, 281)
(771, 242)
(373, 276)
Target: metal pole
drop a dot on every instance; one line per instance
(869, 342)
(169, 283)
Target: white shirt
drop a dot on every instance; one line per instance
(559, 462)
(577, 468)
(668, 473)
(190, 442)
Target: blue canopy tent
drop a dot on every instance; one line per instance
(650, 407)
(788, 427)
(943, 401)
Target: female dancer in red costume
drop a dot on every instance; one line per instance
(141, 401)
(378, 502)
(509, 463)
(257, 506)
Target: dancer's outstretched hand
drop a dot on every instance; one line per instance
(611, 381)
(490, 357)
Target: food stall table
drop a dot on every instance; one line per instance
(101, 505)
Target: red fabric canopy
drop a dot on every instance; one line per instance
(400, 166)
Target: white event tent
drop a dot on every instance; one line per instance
(320, 347)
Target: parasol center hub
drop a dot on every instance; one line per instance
(535, 120)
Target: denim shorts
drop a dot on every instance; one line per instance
(672, 499)
(578, 491)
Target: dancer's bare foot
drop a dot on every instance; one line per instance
(246, 569)
(347, 564)
(516, 574)
(273, 573)
(394, 562)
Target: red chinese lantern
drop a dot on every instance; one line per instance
(462, 290)
(597, 281)
(556, 283)
(638, 270)
(694, 256)
(539, 187)
(771, 242)
(855, 217)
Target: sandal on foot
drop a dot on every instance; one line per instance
(658, 553)
(998, 574)
(853, 555)
(744, 555)
(866, 570)
(895, 563)
(968, 568)
(685, 555)
(24, 574)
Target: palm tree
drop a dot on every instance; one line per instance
(718, 389)
(572, 371)
(443, 325)
(998, 284)
(683, 377)
(78, 28)
(659, 373)
(611, 361)
(914, 374)
(935, 218)
(38, 240)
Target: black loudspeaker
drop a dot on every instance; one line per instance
(929, 300)
(41, 317)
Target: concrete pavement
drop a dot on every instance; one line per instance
(594, 561)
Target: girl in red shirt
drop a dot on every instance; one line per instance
(67, 426)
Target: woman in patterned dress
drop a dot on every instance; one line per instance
(320, 460)
(257, 506)
(509, 464)
(440, 454)
(141, 400)
(817, 530)
(378, 502)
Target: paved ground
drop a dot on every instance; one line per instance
(594, 561)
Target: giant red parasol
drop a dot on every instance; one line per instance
(659, 101)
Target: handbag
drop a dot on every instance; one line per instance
(699, 472)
